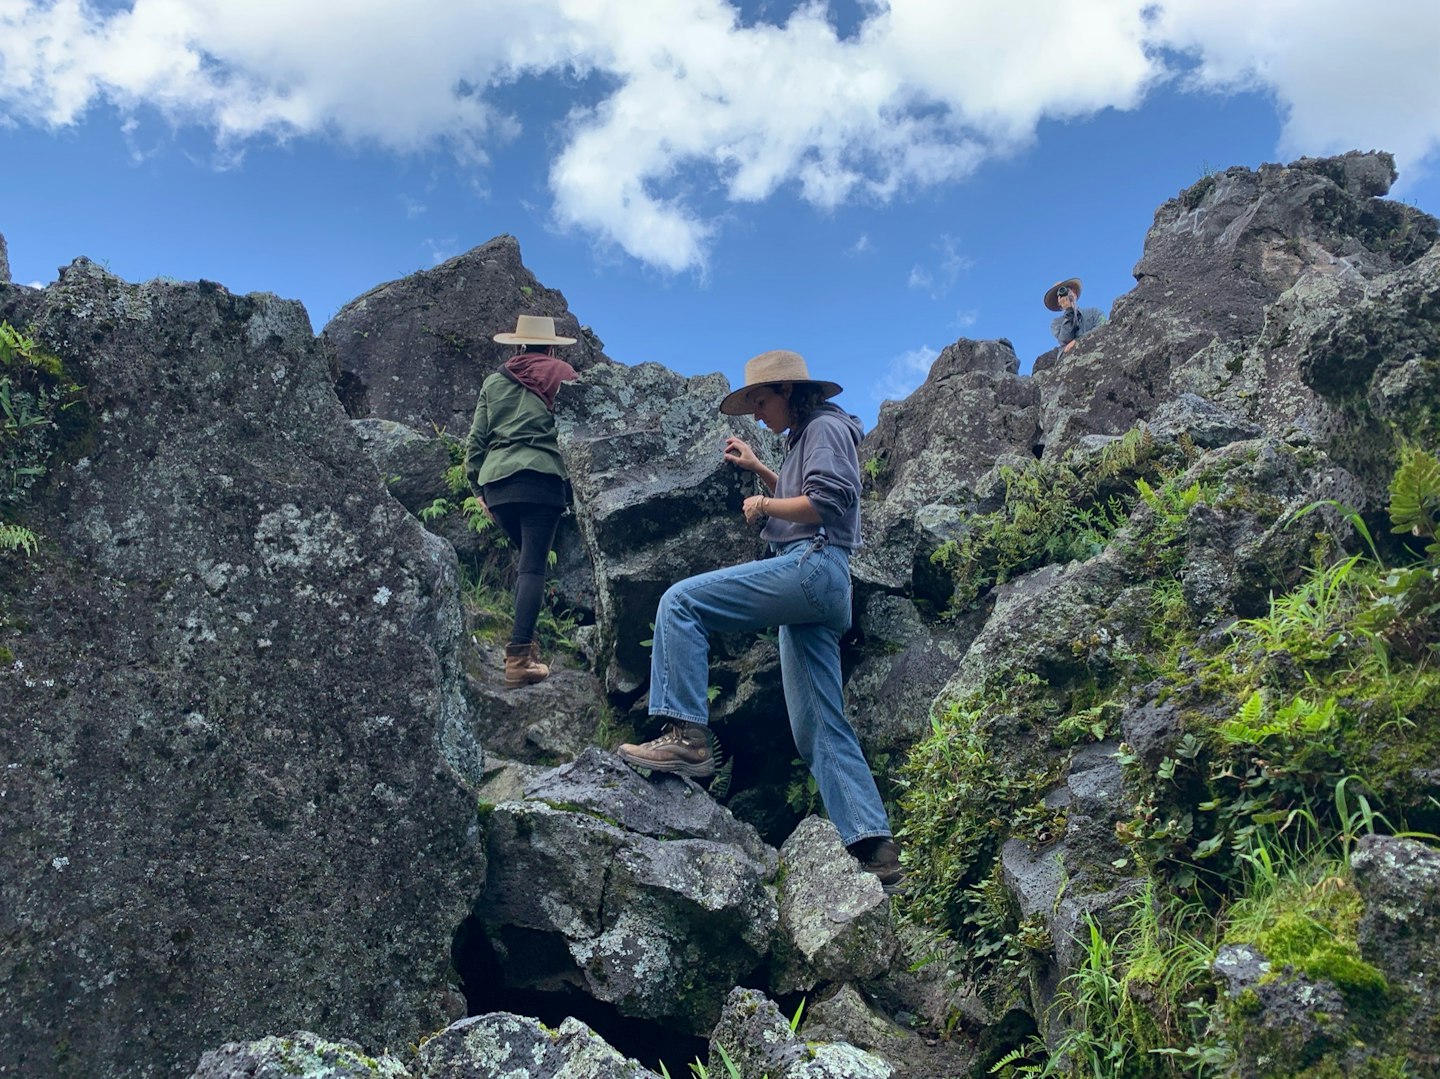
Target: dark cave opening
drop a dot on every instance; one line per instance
(483, 982)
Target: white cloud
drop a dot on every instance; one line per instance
(696, 109)
(903, 374)
(949, 265)
(1344, 75)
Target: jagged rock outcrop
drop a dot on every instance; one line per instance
(417, 349)
(1236, 266)
(4, 261)
(970, 410)
(642, 893)
(239, 752)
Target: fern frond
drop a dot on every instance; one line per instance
(16, 538)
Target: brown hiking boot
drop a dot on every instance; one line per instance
(682, 748)
(522, 665)
(881, 856)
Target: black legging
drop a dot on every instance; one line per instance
(531, 528)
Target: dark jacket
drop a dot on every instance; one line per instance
(1075, 322)
(512, 431)
(823, 463)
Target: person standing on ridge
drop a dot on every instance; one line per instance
(1064, 296)
(812, 523)
(512, 456)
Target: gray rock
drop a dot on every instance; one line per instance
(832, 1061)
(835, 923)
(641, 893)
(759, 1041)
(1290, 1023)
(235, 705)
(549, 723)
(846, 1017)
(1203, 422)
(4, 262)
(971, 408)
(412, 465)
(905, 663)
(755, 1036)
(300, 1053)
(1399, 881)
(504, 1046)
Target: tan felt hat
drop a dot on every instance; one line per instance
(777, 365)
(1073, 284)
(533, 330)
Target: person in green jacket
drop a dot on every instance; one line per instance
(513, 456)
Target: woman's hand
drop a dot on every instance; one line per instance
(754, 507)
(738, 453)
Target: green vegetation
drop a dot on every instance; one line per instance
(1297, 731)
(1055, 511)
(36, 394)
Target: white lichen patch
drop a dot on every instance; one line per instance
(288, 539)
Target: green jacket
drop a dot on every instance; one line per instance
(512, 431)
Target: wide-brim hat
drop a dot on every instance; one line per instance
(777, 365)
(533, 330)
(1073, 284)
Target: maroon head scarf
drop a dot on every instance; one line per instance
(540, 374)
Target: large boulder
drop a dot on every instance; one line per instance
(757, 1040)
(417, 349)
(640, 893)
(239, 751)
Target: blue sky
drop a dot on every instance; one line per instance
(864, 182)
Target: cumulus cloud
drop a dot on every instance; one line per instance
(1345, 76)
(690, 110)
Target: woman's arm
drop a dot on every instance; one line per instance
(477, 443)
(798, 509)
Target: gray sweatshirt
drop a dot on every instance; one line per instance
(822, 463)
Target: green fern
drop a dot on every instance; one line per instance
(1415, 497)
(16, 538)
(1251, 727)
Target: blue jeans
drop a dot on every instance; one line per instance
(805, 590)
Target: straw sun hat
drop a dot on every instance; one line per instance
(1073, 284)
(533, 330)
(777, 365)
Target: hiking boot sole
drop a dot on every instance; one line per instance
(678, 768)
